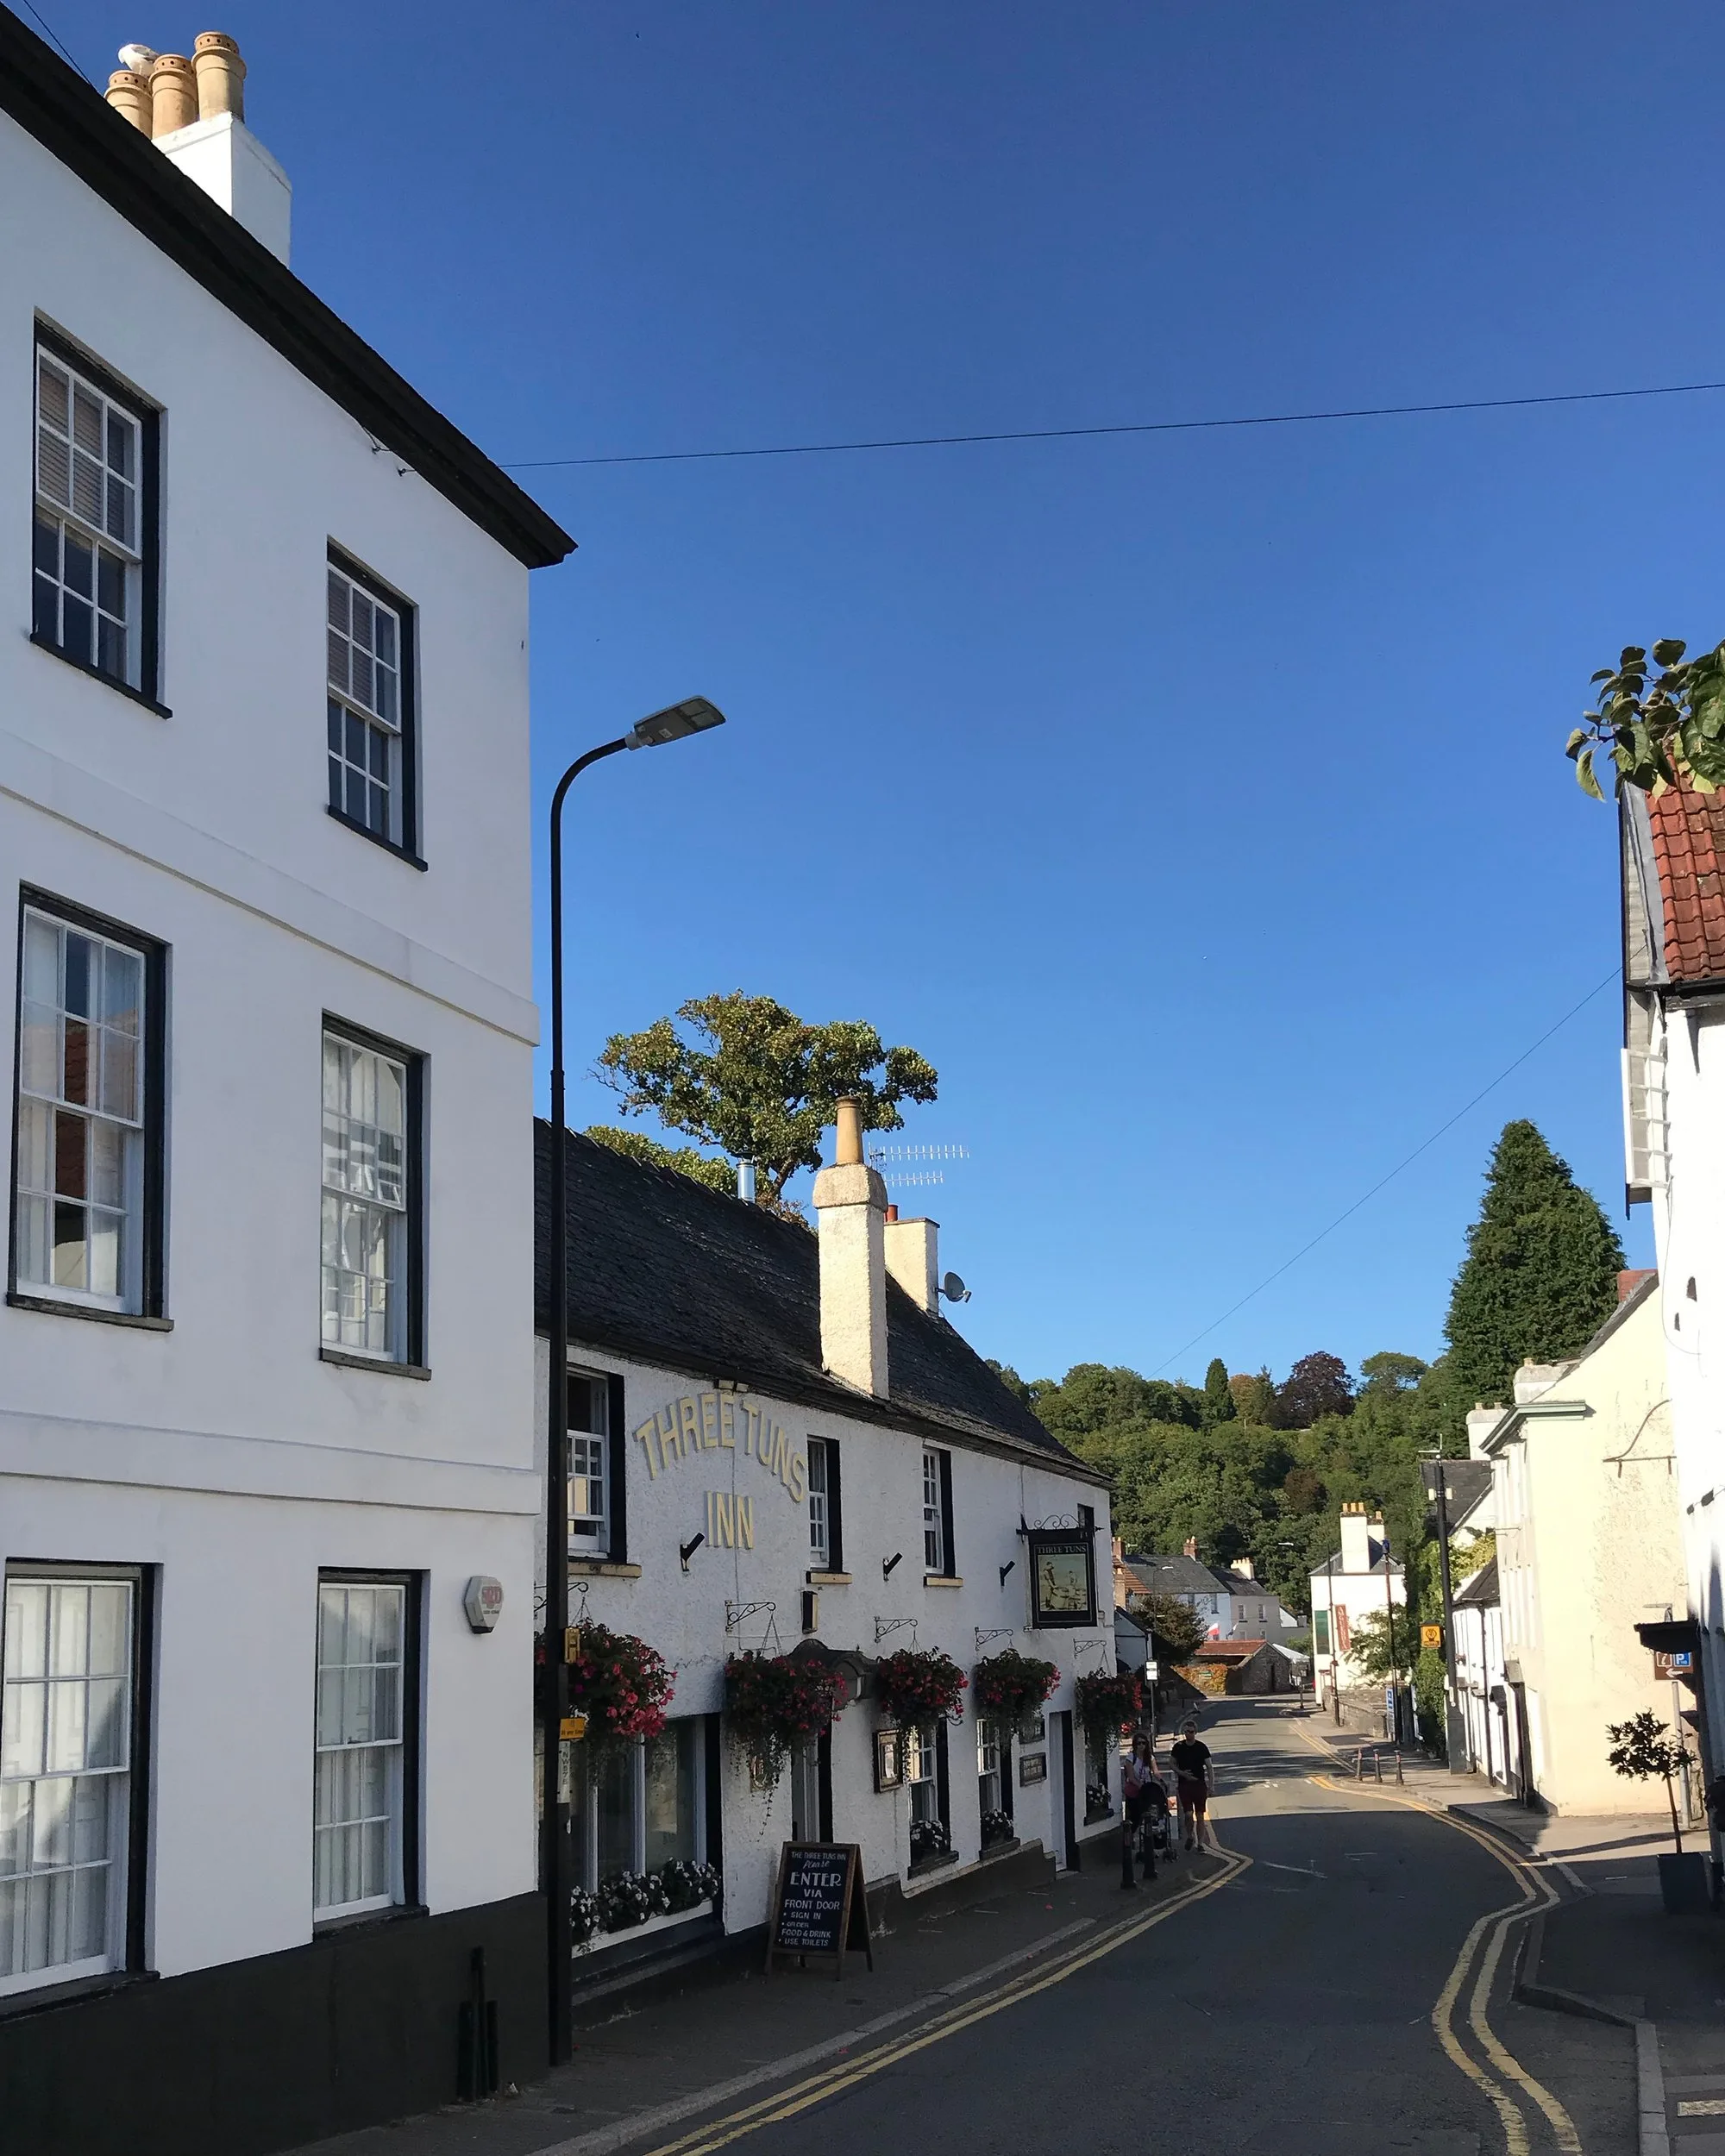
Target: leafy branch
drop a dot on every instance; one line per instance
(1657, 732)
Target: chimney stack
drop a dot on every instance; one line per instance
(912, 1258)
(1356, 1539)
(1191, 1546)
(194, 111)
(850, 1225)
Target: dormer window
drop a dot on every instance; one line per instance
(93, 554)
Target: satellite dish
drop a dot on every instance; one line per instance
(954, 1289)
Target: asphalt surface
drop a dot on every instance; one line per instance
(1279, 2003)
(1289, 2011)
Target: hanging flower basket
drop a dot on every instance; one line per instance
(621, 1685)
(920, 1684)
(773, 1702)
(1108, 1704)
(1011, 1686)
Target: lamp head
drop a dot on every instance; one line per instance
(695, 715)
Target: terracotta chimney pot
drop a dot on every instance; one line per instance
(848, 1146)
(129, 92)
(173, 94)
(221, 76)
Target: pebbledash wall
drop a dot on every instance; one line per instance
(196, 1438)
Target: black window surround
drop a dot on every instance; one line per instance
(948, 1541)
(140, 1772)
(151, 1314)
(835, 1506)
(147, 689)
(406, 847)
(412, 1362)
(616, 1469)
(412, 1902)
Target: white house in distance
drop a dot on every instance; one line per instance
(1363, 1578)
(266, 1351)
(780, 1443)
(1588, 1546)
(1231, 1602)
(1673, 861)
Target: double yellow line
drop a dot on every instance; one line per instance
(1536, 1893)
(786, 2104)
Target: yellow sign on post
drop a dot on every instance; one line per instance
(573, 1728)
(572, 1642)
(1431, 1635)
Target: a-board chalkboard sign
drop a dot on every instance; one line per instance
(819, 1907)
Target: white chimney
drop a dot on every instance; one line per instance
(851, 1221)
(1481, 1422)
(1356, 1539)
(912, 1248)
(1535, 1378)
(194, 111)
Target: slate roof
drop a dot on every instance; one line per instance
(1176, 1575)
(1482, 1589)
(664, 1270)
(1689, 850)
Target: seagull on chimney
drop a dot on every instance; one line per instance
(137, 58)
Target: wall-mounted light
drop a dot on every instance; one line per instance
(686, 1549)
(898, 1557)
(1006, 1568)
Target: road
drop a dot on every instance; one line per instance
(1289, 2012)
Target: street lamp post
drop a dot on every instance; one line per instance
(677, 723)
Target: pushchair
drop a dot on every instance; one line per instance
(1155, 1834)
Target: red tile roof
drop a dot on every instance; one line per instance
(1688, 847)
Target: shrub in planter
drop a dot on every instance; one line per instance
(584, 1918)
(1010, 1686)
(1098, 1804)
(996, 1826)
(625, 1901)
(920, 1684)
(773, 1702)
(928, 1839)
(689, 1884)
(621, 1685)
(1108, 1704)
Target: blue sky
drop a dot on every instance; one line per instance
(1196, 803)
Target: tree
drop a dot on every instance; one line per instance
(759, 1083)
(1657, 737)
(1644, 1749)
(1173, 1624)
(1219, 1399)
(1255, 1397)
(701, 1168)
(1317, 1385)
(1389, 1375)
(1371, 1650)
(1540, 1273)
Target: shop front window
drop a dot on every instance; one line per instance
(637, 1806)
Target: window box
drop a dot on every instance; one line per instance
(936, 1860)
(1003, 1845)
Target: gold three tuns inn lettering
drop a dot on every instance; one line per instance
(699, 1423)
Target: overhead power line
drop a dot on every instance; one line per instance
(1136, 426)
(50, 33)
(1424, 1146)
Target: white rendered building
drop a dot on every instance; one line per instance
(1363, 1578)
(781, 1445)
(266, 1351)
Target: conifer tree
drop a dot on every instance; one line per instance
(1218, 1400)
(1540, 1273)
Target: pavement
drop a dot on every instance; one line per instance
(1340, 1980)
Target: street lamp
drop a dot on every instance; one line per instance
(675, 723)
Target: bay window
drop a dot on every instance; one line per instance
(68, 1715)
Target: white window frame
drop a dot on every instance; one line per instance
(586, 1832)
(98, 504)
(115, 1121)
(367, 702)
(922, 1771)
(331, 1744)
(25, 1735)
(363, 1189)
(592, 1538)
(820, 1518)
(987, 1764)
(933, 1515)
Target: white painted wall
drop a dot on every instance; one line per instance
(683, 1614)
(225, 1452)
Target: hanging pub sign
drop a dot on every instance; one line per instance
(819, 1905)
(1063, 1576)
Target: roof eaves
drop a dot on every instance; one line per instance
(50, 102)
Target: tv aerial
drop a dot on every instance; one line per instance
(904, 1167)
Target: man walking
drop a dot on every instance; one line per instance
(1194, 1785)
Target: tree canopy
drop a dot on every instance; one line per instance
(701, 1168)
(1318, 1385)
(1540, 1273)
(744, 1074)
(1657, 734)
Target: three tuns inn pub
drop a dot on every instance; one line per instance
(812, 1536)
